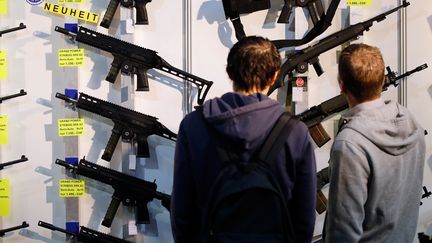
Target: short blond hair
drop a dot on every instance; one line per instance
(361, 69)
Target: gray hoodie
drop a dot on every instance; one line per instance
(376, 174)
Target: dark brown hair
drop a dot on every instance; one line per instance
(252, 62)
(361, 69)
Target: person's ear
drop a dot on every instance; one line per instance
(341, 85)
(273, 79)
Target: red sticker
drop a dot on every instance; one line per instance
(299, 82)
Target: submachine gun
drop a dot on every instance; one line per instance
(4, 231)
(133, 59)
(130, 190)
(85, 235)
(20, 27)
(316, 114)
(140, 6)
(128, 124)
(300, 59)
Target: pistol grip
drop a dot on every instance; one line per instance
(141, 12)
(142, 80)
(109, 14)
(112, 209)
(143, 147)
(286, 12)
(112, 142)
(143, 216)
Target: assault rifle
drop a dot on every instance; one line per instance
(130, 125)
(140, 6)
(23, 225)
(133, 59)
(21, 93)
(130, 190)
(23, 159)
(316, 114)
(85, 234)
(300, 59)
(20, 27)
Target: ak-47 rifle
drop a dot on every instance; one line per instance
(300, 59)
(128, 124)
(23, 159)
(21, 93)
(133, 59)
(85, 235)
(20, 27)
(316, 114)
(130, 190)
(23, 225)
(140, 6)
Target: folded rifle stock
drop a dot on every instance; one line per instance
(130, 190)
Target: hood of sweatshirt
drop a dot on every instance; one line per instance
(386, 124)
(243, 119)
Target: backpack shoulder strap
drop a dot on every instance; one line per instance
(277, 137)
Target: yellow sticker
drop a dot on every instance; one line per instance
(70, 127)
(71, 57)
(71, 1)
(71, 188)
(75, 13)
(3, 6)
(3, 65)
(359, 2)
(4, 197)
(3, 130)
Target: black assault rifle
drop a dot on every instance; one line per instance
(21, 93)
(20, 27)
(23, 159)
(128, 124)
(85, 234)
(133, 59)
(140, 6)
(23, 225)
(316, 114)
(130, 190)
(300, 59)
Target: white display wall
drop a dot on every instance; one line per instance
(190, 35)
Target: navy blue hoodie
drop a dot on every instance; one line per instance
(244, 121)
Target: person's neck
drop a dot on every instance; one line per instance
(253, 91)
(352, 101)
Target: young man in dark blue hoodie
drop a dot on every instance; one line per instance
(243, 118)
(377, 159)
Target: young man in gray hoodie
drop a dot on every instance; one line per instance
(377, 159)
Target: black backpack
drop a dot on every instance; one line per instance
(245, 203)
